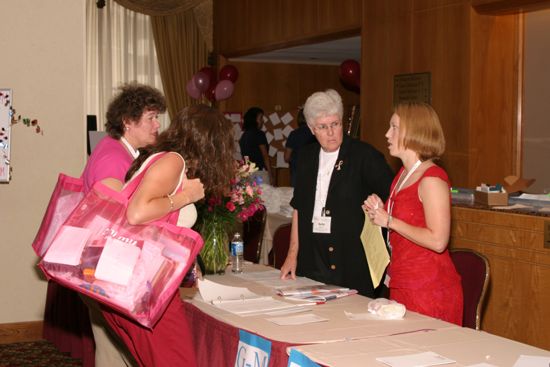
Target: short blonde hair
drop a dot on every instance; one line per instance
(322, 104)
(420, 129)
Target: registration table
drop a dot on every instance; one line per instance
(340, 341)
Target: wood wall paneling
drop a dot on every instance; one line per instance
(519, 293)
(244, 27)
(385, 51)
(474, 63)
(494, 99)
(508, 6)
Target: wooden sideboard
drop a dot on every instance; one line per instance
(518, 302)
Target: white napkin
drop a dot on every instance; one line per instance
(387, 309)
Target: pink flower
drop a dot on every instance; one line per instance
(230, 206)
(249, 191)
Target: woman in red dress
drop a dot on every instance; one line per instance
(418, 217)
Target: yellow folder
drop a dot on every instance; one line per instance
(375, 250)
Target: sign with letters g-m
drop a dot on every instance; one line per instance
(252, 351)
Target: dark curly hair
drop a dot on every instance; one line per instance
(204, 138)
(132, 100)
(250, 118)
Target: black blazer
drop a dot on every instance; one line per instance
(338, 257)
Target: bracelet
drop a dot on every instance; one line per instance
(389, 221)
(171, 201)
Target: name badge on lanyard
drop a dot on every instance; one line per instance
(321, 224)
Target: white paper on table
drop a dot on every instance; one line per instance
(532, 361)
(510, 207)
(287, 130)
(68, 246)
(308, 318)
(278, 134)
(274, 118)
(424, 359)
(272, 151)
(269, 137)
(281, 160)
(365, 316)
(213, 292)
(272, 279)
(483, 364)
(117, 261)
(287, 118)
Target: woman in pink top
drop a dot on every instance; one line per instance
(132, 123)
(417, 215)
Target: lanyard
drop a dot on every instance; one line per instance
(133, 152)
(395, 191)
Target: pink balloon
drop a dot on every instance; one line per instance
(201, 81)
(229, 72)
(192, 90)
(224, 90)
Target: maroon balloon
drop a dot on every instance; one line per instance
(350, 72)
(210, 94)
(224, 90)
(192, 90)
(229, 72)
(201, 81)
(212, 77)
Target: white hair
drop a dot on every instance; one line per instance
(321, 104)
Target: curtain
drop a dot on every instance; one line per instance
(182, 51)
(120, 48)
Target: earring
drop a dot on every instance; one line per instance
(126, 128)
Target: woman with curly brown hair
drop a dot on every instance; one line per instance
(199, 137)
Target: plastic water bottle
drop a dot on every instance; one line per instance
(237, 248)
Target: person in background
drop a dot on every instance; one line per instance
(198, 141)
(296, 140)
(253, 143)
(132, 123)
(334, 177)
(417, 215)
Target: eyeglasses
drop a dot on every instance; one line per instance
(325, 127)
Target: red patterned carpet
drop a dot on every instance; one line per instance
(35, 354)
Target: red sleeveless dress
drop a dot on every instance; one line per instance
(423, 280)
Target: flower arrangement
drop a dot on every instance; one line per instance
(243, 200)
(219, 214)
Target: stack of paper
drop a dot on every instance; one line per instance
(315, 293)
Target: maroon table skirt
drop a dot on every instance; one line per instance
(216, 342)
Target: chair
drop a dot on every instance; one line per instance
(281, 242)
(253, 232)
(474, 269)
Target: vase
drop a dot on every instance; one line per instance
(215, 252)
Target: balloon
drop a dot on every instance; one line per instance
(201, 81)
(229, 72)
(350, 72)
(212, 77)
(192, 90)
(210, 94)
(224, 90)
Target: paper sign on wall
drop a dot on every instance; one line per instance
(5, 132)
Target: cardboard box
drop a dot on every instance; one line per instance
(491, 198)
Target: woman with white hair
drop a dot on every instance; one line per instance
(334, 177)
